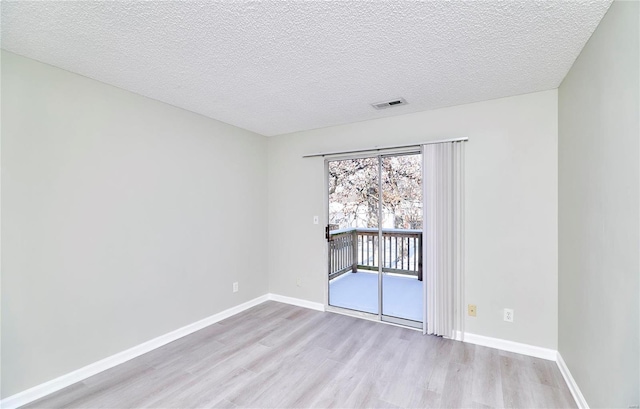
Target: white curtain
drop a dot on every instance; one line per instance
(443, 238)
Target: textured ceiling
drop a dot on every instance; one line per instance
(276, 67)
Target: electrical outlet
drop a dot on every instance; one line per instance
(316, 220)
(472, 310)
(508, 314)
(298, 282)
(235, 287)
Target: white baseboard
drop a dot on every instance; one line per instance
(54, 385)
(511, 346)
(297, 301)
(571, 383)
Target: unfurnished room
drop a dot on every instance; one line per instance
(320, 204)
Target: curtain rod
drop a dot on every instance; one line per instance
(377, 149)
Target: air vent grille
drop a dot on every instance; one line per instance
(391, 103)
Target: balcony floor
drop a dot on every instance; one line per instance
(401, 296)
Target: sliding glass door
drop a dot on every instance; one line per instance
(375, 238)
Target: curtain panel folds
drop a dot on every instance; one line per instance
(443, 230)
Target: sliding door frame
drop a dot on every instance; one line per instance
(379, 317)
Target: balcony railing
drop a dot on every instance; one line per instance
(357, 249)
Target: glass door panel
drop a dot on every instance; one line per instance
(353, 234)
(401, 224)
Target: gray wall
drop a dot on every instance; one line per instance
(123, 219)
(511, 207)
(599, 242)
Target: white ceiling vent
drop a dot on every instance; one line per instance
(388, 104)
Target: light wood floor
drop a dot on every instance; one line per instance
(277, 356)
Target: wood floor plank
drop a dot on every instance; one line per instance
(367, 394)
(440, 365)
(223, 404)
(513, 375)
(310, 387)
(232, 348)
(188, 356)
(419, 397)
(515, 398)
(274, 385)
(291, 344)
(358, 336)
(280, 356)
(487, 379)
(550, 397)
(299, 313)
(540, 371)
(340, 331)
(398, 385)
(463, 353)
(205, 390)
(339, 389)
(456, 392)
